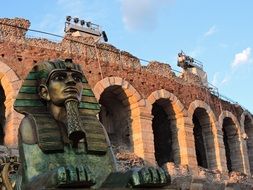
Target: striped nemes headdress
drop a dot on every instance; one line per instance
(29, 101)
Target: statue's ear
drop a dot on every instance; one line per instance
(43, 92)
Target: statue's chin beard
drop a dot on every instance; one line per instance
(74, 129)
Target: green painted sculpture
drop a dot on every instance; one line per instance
(62, 144)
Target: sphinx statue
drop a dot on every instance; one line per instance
(62, 144)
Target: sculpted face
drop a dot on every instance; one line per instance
(64, 85)
(63, 89)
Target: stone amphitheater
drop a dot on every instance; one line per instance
(152, 115)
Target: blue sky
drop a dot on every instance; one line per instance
(218, 33)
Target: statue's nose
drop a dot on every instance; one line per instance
(70, 80)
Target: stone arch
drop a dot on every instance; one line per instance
(205, 129)
(234, 149)
(176, 114)
(140, 122)
(10, 83)
(246, 122)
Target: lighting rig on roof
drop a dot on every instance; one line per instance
(193, 66)
(185, 61)
(86, 28)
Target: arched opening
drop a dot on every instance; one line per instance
(115, 116)
(164, 133)
(199, 142)
(232, 145)
(248, 126)
(2, 115)
(204, 139)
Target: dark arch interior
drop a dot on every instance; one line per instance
(115, 116)
(232, 145)
(2, 115)
(161, 124)
(200, 142)
(248, 126)
(227, 136)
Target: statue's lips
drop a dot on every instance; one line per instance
(71, 90)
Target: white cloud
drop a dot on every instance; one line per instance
(74, 8)
(225, 80)
(54, 20)
(242, 58)
(211, 31)
(50, 23)
(219, 79)
(196, 52)
(141, 14)
(215, 79)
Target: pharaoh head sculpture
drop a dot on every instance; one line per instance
(53, 86)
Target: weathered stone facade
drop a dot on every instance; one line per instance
(160, 117)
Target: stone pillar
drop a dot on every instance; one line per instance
(220, 151)
(142, 134)
(175, 140)
(245, 157)
(187, 143)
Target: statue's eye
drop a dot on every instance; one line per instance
(77, 78)
(59, 77)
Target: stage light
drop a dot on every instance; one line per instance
(79, 27)
(82, 22)
(68, 18)
(88, 24)
(76, 20)
(104, 36)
